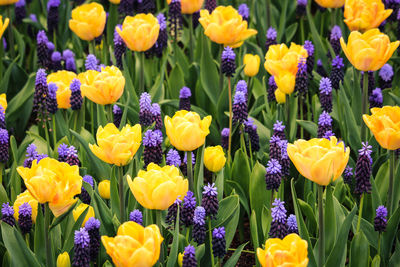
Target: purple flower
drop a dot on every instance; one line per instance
(271, 37)
(380, 221)
(91, 62)
(117, 112)
(325, 94)
(271, 89)
(136, 216)
(275, 148)
(348, 175)
(376, 98)
(228, 64)
(199, 225)
(324, 124)
(210, 5)
(152, 147)
(274, 175)
(241, 86)
(173, 211)
(184, 98)
(76, 99)
(4, 144)
(239, 107)
(92, 226)
(363, 170)
(119, 47)
(173, 158)
(210, 200)
(7, 213)
(292, 224)
(279, 227)
(219, 242)
(244, 11)
(145, 115)
(189, 257)
(301, 84)
(386, 74)
(175, 18)
(225, 138)
(188, 207)
(279, 129)
(251, 129)
(81, 248)
(52, 15)
(156, 116)
(25, 218)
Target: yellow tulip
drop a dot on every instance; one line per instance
(3, 101)
(251, 64)
(368, 51)
(80, 209)
(330, 3)
(63, 260)
(225, 26)
(214, 158)
(104, 87)
(7, 2)
(54, 182)
(140, 32)
(290, 251)
(158, 187)
(116, 2)
(362, 15)
(180, 258)
(63, 80)
(280, 97)
(319, 160)
(186, 130)
(3, 25)
(115, 146)
(22, 198)
(88, 21)
(189, 6)
(282, 62)
(384, 123)
(134, 245)
(104, 189)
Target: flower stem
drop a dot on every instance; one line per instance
(379, 244)
(10, 32)
(230, 120)
(301, 115)
(189, 169)
(321, 244)
(191, 37)
(121, 194)
(92, 117)
(54, 131)
(159, 224)
(210, 237)
(141, 81)
(360, 213)
(364, 105)
(287, 104)
(391, 177)
(46, 235)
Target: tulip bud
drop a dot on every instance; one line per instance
(76, 213)
(214, 158)
(104, 189)
(88, 21)
(63, 260)
(252, 64)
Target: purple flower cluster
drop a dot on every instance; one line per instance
(337, 73)
(31, 155)
(228, 64)
(136, 216)
(363, 170)
(68, 154)
(149, 113)
(279, 228)
(271, 89)
(271, 37)
(251, 129)
(325, 94)
(380, 220)
(273, 174)
(152, 141)
(184, 98)
(324, 124)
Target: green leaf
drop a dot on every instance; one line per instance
(103, 212)
(282, 21)
(290, 31)
(390, 234)
(376, 262)
(254, 232)
(173, 254)
(241, 170)
(241, 193)
(114, 196)
(60, 218)
(176, 81)
(235, 256)
(319, 47)
(39, 248)
(359, 250)
(69, 242)
(330, 221)
(209, 74)
(309, 126)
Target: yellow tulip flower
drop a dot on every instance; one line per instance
(104, 189)
(319, 160)
(88, 21)
(53, 182)
(384, 123)
(189, 6)
(3, 25)
(63, 260)
(80, 209)
(186, 130)
(330, 3)
(140, 32)
(214, 158)
(116, 2)
(158, 187)
(63, 80)
(104, 87)
(7, 2)
(115, 146)
(280, 97)
(290, 251)
(225, 26)
(251, 65)
(3, 101)
(134, 245)
(282, 62)
(368, 51)
(362, 15)
(22, 198)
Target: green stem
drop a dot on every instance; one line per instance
(1, 172)
(109, 113)
(54, 130)
(10, 33)
(301, 115)
(92, 47)
(49, 257)
(391, 177)
(364, 105)
(287, 104)
(245, 251)
(210, 237)
(76, 113)
(302, 29)
(159, 224)
(321, 243)
(46, 132)
(221, 75)
(121, 194)
(141, 81)
(251, 154)
(360, 213)
(1, 59)
(219, 262)
(191, 46)
(92, 117)
(230, 120)
(379, 244)
(189, 169)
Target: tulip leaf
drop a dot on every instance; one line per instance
(309, 126)
(330, 220)
(308, 212)
(60, 218)
(219, 183)
(173, 254)
(241, 170)
(376, 262)
(103, 212)
(176, 81)
(69, 242)
(235, 256)
(254, 232)
(199, 172)
(6, 77)
(389, 236)
(339, 250)
(114, 196)
(39, 248)
(395, 258)
(209, 73)
(319, 47)
(241, 194)
(359, 250)
(282, 21)
(368, 229)
(266, 219)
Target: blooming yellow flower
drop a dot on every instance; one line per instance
(54, 182)
(186, 130)
(384, 123)
(189, 6)
(225, 26)
(251, 64)
(3, 101)
(362, 15)
(63, 80)
(282, 62)
(104, 189)
(3, 25)
(80, 209)
(368, 51)
(280, 97)
(63, 260)
(7, 2)
(104, 87)
(134, 245)
(22, 198)
(140, 32)
(88, 21)
(115, 146)
(180, 258)
(319, 160)
(158, 187)
(290, 251)
(115, 1)
(214, 158)
(330, 3)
